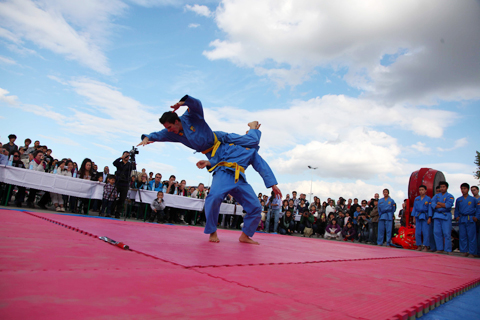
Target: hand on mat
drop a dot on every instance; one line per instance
(203, 163)
(277, 192)
(177, 105)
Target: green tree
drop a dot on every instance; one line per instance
(477, 163)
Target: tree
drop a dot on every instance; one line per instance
(477, 163)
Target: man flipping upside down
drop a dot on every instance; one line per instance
(228, 165)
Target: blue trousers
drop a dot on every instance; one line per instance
(223, 183)
(468, 237)
(422, 229)
(384, 225)
(478, 238)
(443, 231)
(276, 216)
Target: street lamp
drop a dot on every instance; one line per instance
(311, 182)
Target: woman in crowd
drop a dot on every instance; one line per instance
(287, 224)
(348, 232)
(374, 218)
(318, 204)
(85, 173)
(284, 206)
(333, 231)
(57, 199)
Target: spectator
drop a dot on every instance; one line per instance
(374, 218)
(287, 224)
(158, 207)
(106, 173)
(150, 176)
(4, 155)
(27, 147)
(200, 193)
(296, 201)
(57, 199)
(304, 197)
(275, 208)
(36, 146)
(11, 146)
(156, 183)
(182, 191)
(142, 184)
(122, 176)
(109, 195)
(353, 207)
(37, 164)
(306, 223)
(292, 207)
(48, 160)
(349, 204)
(348, 232)
(260, 196)
(20, 196)
(333, 230)
(321, 224)
(285, 207)
(330, 208)
(23, 155)
(318, 204)
(342, 206)
(362, 227)
(85, 173)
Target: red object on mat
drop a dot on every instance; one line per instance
(54, 267)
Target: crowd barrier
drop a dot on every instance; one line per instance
(94, 190)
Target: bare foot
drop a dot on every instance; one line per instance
(425, 249)
(246, 239)
(439, 251)
(214, 237)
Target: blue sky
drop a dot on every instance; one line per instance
(366, 91)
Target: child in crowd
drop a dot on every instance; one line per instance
(109, 195)
(287, 224)
(57, 199)
(158, 207)
(333, 230)
(348, 232)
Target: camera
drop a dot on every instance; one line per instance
(133, 152)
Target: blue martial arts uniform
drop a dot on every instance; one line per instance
(442, 219)
(465, 209)
(224, 183)
(197, 135)
(422, 211)
(386, 209)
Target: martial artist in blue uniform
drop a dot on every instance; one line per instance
(228, 165)
(422, 213)
(191, 130)
(386, 210)
(442, 218)
(465, 213)
(475, 190)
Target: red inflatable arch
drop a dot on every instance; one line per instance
(429, 178)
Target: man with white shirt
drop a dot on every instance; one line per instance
(330, 208)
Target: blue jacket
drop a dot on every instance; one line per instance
(466, 209)
(196, 133)
(386, 209)
(243, 157)
(442, 213)
(151, 184)
(422, 208)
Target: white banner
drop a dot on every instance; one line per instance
(94, 189)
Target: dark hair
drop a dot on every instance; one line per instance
(169, 117)
(437, 187)
(443, 183)
(294, 192)
(288, 211)
(37, 152)
(465, 185)
(272, 197)
(387, 190)
(49, 150)
(475, 187)
(172, 176)
(423, 186)
(28, 139)
(12, 136)
(355, 199)
(159, 192)
(82, 172)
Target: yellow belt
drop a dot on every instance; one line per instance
(213, 148)
(235, 165)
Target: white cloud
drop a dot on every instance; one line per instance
(437, 40)
(76, 30)
(60, 140)
(421, 147)
(7, 60)
(458, 144)
(108, 148)
(193, 25)
(200, 10)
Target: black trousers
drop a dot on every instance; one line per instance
(118, 205)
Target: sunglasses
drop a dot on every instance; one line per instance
(16, 156)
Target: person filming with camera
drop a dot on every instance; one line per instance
(124, 166)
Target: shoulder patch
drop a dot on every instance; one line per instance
(192, 128)
(469, 202)
(426, 202)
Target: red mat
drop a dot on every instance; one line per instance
(50, 271)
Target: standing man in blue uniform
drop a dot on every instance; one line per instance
(465, 213)
(228, 165)
(475, 194)
(191, 130)
(442, 218)
(422, 217)
(386, 210)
